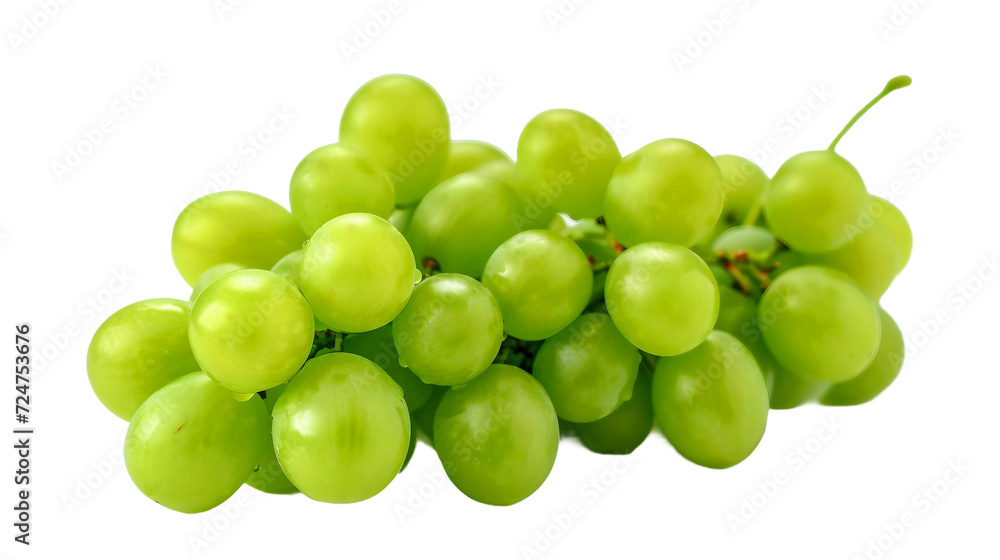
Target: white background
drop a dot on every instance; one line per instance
(64, 237)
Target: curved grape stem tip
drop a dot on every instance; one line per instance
(892, 85)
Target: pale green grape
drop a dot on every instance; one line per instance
(424, 416)
(338, 179)
(290, 266)
(269, 477)
(622, 431)
(538, 209)
(497, 436)
(251, 330)
(669, 190)
(711, 402)
(662, 297)
(449, 331)
(898, 228)
(137, 350)
(588, 369)
(404, 125)
(341, 429)
(357, 273)
(567, 157)
(377, 346)
(757, 242)
(191, 445)
(878, 375)
(542, 282)
(470, 155)
(819, 324)
(400, 219)
(743, 185)
(210, 275)
(870, 258)
(462, 221)
(235, 227)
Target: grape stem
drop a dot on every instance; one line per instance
(896, 83)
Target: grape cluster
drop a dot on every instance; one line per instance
(424, 286)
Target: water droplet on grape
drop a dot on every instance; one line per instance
(417, 276)
(402, 362)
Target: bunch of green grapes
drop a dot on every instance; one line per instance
(431, 289)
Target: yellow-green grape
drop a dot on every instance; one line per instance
(341, 429)
(757, 242)
(542, 282)
(290, 266)
(815, 197)
(338, 179)
(818, 323)
(669, 190)
(210, 275)
(357, 273)
(588, 369)
(400, 219)
(538, 210)
(424, 416)
(497, 436)
(711, 402)
(870, 258)
(137, 350)
(191, 445)
(878, 375)
(470, 155)
(235, 227)
(567, 157)
(743, 187)
(404, 125)
(899, 229)
(662, 297)
(377, 346)
(622, 431)
(449, 331)
(269, 477)
(251, 330)
(459, 224)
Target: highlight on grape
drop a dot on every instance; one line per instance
(427, 288)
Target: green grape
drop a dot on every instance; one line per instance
(819, 324)
(137, 350)
(210, 275)
(898, 228)
(400, 219)
(357, 273)
(412, 447)
(588, 369)
(567, 159)
(404, 125)
(462, 221)
(878, 375)
(424, 416)
(738, 317)
(338, 179)
(251, 330)
(669, 190)
(816, 197)
(743, 185)
(870, 259)
(378, 347)
(538, 211)
(711, 402)
(269, 477)
(622, 431)
(235, 227)
(191, 445)
(662, 297)
(449, 331)
(470, 155)
(341, 429)
(542, 282)
(757, 242)
(497, 436)
(290, 266)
